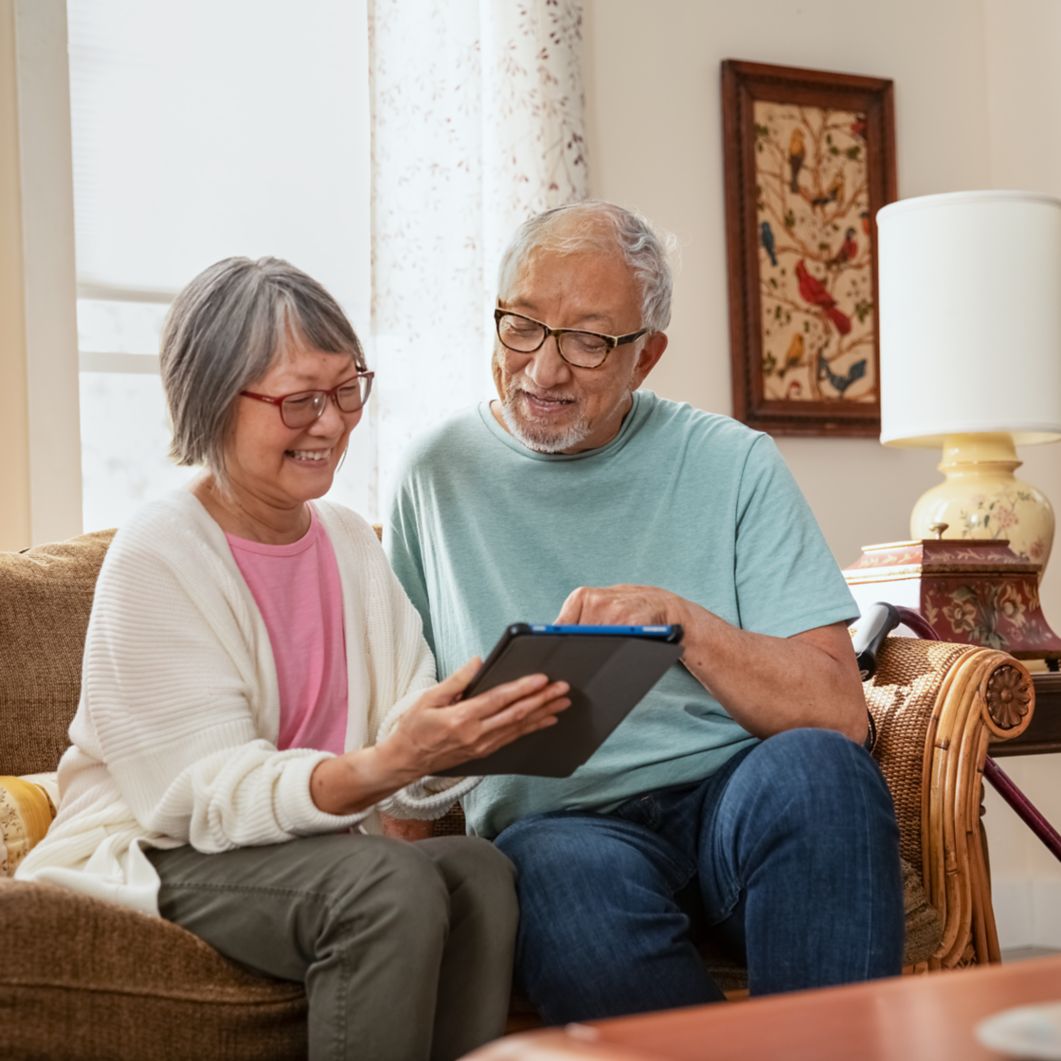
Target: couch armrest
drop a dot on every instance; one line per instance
(85, 979)
(937, 705)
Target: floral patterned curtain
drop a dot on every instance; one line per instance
(477, 123)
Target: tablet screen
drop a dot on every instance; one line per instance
(609, 672)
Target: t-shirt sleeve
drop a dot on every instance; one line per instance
(787, 580)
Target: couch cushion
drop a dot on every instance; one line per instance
(108, 982)
(45, 598)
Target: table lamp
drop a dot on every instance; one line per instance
(970, 355)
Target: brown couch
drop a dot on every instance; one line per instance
(84, 979)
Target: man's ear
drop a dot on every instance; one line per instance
(651, 352)
(495, 372)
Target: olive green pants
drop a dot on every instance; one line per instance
(405, 949)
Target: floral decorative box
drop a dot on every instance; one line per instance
(977, 592)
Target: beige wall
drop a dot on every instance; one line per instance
(977, 105)
(14, 468)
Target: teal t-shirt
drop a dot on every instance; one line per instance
(485, 532)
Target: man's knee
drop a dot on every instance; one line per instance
(819, 759)
(809, 744)
(820, 780)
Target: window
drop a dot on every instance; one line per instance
(202, 130)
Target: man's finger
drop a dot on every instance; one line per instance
(571, 610)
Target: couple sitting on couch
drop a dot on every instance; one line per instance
(257, 688)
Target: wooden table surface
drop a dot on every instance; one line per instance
(907, 1018)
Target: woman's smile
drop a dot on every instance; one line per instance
(309, 456)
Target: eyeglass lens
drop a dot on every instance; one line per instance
(300, 410)
(584, 349)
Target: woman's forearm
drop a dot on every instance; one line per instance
(355, 781)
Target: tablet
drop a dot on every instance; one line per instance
(609, 669)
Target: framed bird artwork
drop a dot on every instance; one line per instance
(809, 160)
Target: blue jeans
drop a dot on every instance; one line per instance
(790, 853)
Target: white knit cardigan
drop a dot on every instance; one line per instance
(174, 739)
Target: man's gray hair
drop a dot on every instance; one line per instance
(224, 331)
(597, 225)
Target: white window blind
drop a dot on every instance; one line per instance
(203, 129)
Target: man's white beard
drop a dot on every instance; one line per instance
(540, 437)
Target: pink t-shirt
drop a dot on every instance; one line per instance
(299, 595)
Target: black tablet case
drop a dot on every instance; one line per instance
(608, 674)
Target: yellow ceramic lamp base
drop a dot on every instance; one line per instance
(981, 498)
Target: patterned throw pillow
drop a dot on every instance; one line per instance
(26, 811)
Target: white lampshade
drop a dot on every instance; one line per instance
(970, 317)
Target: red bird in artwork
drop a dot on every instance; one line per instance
(812, 290)
(847, 251)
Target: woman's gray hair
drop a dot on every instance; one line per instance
(224, 331)
(597, 225)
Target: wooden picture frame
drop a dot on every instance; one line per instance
(809, 160)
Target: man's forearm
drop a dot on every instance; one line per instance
(770, 684)
(767, 684)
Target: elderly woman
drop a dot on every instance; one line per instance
(256, 691)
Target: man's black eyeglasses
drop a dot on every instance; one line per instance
(525, 335)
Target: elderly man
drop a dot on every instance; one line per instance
(737, 793)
